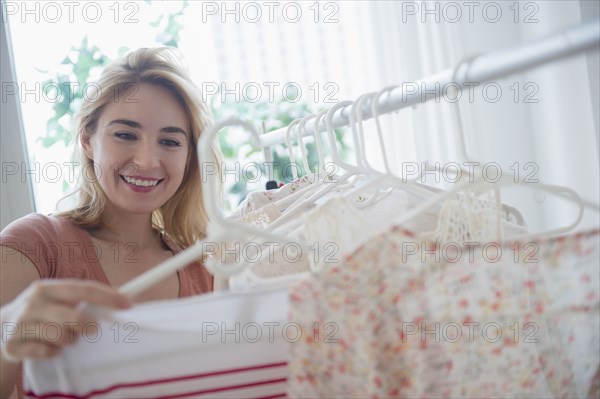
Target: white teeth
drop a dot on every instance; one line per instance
(141, 183)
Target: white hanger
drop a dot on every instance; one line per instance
(285, 204)
(317, 178)
(299, 125)
(375, 112)
(331, 136)
(350, 170)
(356, 124)
(241, 276)
(459, 76)
(369, 173)
(317, 134)
(302, 193)
(387, 179)
(299, 133)
(298, 202)
(290, 219)
(290, 151)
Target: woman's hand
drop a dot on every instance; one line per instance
(44, 318)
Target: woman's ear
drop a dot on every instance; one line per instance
(86, 142)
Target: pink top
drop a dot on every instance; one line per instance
(59, 248)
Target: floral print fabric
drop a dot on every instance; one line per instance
(405, 318)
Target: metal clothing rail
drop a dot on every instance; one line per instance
(492, 65)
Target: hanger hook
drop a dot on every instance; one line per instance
(459, 76)
(300, 133)
(208, 168)
(375, 113)
(358, 114)
(331, 136)
(290, 151)
(317, 134)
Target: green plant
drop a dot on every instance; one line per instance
(69, 84)
(169, 28)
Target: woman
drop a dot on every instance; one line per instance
(139, 203)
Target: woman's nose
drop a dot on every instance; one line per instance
(146, 156)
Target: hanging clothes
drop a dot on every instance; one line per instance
(411, 319)
(256, 199)
(336, 227)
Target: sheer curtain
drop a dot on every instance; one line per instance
(327, 54)
(538, 125)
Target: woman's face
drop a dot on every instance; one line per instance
(140, 149)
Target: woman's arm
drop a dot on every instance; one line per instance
(30, 303)
(16, 274)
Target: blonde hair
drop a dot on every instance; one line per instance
(182, 219)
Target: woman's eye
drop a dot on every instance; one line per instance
(125, 136)
(171, 143)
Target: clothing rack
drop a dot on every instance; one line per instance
(485, 67)
(492, 65)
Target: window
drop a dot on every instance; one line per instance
(258, 61)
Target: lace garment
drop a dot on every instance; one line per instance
(340, 226)
(466, 217)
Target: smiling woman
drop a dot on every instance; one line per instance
(142, 147)
(146, 113)
(139, 203)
